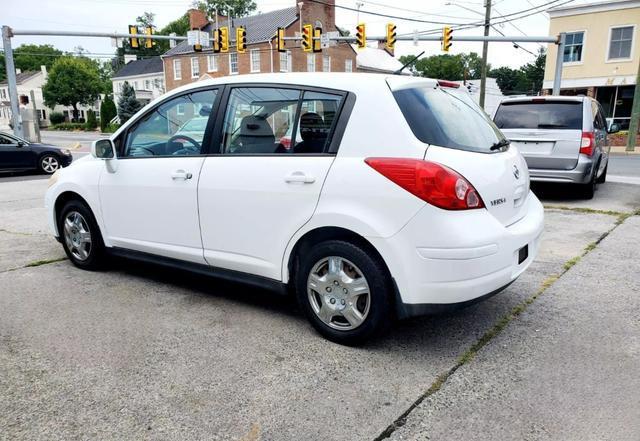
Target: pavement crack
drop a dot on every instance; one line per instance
(35, 263)
(20, 233)
(498, 327)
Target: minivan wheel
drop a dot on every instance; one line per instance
(81, 237)
(49, 164)
(344, 292)
(603, 177)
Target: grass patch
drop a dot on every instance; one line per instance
(586, 210)
(571, 262)
(44, 262)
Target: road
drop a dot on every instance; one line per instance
(143, 352)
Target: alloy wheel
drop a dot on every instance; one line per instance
(338, 293)
(77, 235)
(50, 164)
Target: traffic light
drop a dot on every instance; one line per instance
(133, 41)
(241, 40)
(307, 41)
(317, 44)
(280, 40)
(148, 42)
(216, 40)
(391, 36)
(361, 36)
(224, 39)
(447, 33)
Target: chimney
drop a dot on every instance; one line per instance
(43, 69)
(197, 19)
(383, 46)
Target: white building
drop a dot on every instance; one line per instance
(34, 81)
(146, 76)
(492, 97)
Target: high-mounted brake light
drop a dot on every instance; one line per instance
(445, 83)
(587, 143)
(432, 182)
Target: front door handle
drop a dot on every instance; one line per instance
(299, 178)
(181, 175)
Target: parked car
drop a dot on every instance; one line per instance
(563, 139)
(17, 154)
(402, 198)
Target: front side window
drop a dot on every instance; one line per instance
(212, 63)
(620, 44)
(275, 120)
(311, 62)
(573, 47)
(177, 69)
(233, 63)
(195, 67)
(255, 60)
(175, 127)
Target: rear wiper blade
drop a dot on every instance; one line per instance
(498, 145)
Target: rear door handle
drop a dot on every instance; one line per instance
(181, 175)
(300, 178)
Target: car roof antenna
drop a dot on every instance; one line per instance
(409, 63)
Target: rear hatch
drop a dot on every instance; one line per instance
(547, 132)
(461, 136)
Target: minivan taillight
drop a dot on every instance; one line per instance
(432, 182)
(588, 143)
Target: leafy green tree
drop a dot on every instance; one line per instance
(525, 80)
(237, 8)
(128, 105)
(107, 112)
(32, 56)
(447, 67)
(72, 81)
(92, 122)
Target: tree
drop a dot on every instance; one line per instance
(236, 8)
(29, 57)
(72, 81)
(92, 122)
(525, 80)
(128, 105)
(107, 112)
(447, 67)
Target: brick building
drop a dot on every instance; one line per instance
(182, 65)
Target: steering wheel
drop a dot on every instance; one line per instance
(190, 150)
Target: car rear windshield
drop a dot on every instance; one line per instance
(448, 118)
(564, 115)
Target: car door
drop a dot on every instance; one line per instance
(14, 154)
(258, 192)
(149, 194)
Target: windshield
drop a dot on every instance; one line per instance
(565, 115)
(448, 119)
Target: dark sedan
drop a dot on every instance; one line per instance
(17, 154)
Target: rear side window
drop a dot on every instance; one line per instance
(544, 115)
(447, 119)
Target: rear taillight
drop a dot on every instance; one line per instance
(587, 143)
(430, 181)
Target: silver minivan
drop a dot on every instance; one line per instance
(563, 138)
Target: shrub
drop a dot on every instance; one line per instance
(68, 126)
(107, 112)
(92, 122)
(111, 128)
(56, 117)
(128, 105)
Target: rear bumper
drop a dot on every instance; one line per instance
(581, 174)
(460, 257)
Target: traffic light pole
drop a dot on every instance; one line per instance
(485, 52)
(16, 118)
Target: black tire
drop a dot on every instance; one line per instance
(588, 190)
(96, 256)
(379, 316)
(603, 177)
(45, 163)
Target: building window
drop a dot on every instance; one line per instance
(180, 109)
(177, 69)
(285, 61)
(255, 60)
(195, 67)
(147, 84)
(573, 47)
(348, 65)
(620, 43)
(212, 63)
(326, 63)
(233, 63)
(311, 62)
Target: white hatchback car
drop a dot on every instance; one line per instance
(402, 197)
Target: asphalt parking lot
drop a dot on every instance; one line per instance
(140, 352)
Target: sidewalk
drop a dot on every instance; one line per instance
(566, 369)
(622, 150)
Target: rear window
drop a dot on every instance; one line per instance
(565, 115)
(447, 118)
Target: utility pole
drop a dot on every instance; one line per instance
(485, 51)
(635, 115)
(36, 117)
(16, 118)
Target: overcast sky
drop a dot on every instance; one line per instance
(115, 15)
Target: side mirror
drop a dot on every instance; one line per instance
(103, 149)
(20, 143)
(614, 128)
